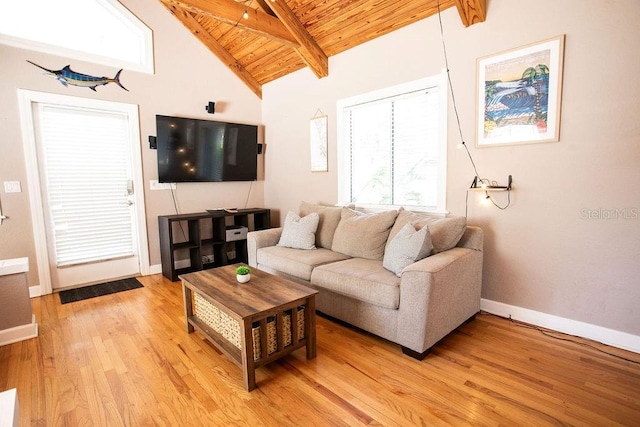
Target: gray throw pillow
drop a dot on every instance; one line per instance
(299, 233)
(407, 247)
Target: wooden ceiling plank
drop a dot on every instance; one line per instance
(309, 49)
(349, 31)
(201, 33)
(472, 11)
(275, 64)
(231, 13)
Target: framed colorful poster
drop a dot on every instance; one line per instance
(519, 94)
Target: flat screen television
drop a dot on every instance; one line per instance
(194, 150)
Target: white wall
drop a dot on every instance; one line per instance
(187, 76)
(540, 253)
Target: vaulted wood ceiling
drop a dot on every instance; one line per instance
(278, 37)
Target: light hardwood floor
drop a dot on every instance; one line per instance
(125, 359)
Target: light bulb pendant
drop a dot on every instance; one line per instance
(245, 15)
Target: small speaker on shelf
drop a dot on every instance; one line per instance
(210, 107)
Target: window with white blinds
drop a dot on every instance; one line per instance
(85, 158)
(392, 147)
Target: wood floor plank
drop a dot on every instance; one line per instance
(125, 359)
(564, 379)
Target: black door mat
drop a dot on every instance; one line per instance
(93, 291)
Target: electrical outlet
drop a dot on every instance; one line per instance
(12, 187)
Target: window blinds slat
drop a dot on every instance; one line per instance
(86, 170)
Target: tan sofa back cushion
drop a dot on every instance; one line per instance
(445, 232)
(329, 219)
(363, 235)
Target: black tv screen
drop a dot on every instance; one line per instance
(193, 150)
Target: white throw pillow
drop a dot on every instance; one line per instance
(299, 233)
(407, 247)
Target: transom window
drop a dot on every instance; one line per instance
(392, 147)
(99, 31)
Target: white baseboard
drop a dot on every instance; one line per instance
(155, 269)
(19, 333)
(607, 336)
(35, 291)
(9, 408)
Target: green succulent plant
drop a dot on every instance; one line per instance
(242, 270)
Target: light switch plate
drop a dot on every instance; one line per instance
(12, 187)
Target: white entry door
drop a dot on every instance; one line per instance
(85, 159)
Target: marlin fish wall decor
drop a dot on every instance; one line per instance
(66, 76)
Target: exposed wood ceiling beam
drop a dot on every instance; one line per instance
(212, 44)
(230, 12)
(309, 49)
(472, 11)
(265, 7)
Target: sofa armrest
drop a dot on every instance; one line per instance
(437, 294)
(261, 239)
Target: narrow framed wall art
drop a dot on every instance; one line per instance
(318, 143)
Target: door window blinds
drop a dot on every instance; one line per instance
(85, 156)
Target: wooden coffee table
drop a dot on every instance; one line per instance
(252, 323)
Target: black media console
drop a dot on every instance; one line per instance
(193, 242)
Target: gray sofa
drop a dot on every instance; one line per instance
(415, 306)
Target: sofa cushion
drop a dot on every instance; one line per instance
(295, 262)
(329, 219)
(407, 247)
(363, 235)
(299, 233)
(362, 279)
(445, 232)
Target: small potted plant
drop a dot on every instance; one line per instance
(243, 274)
